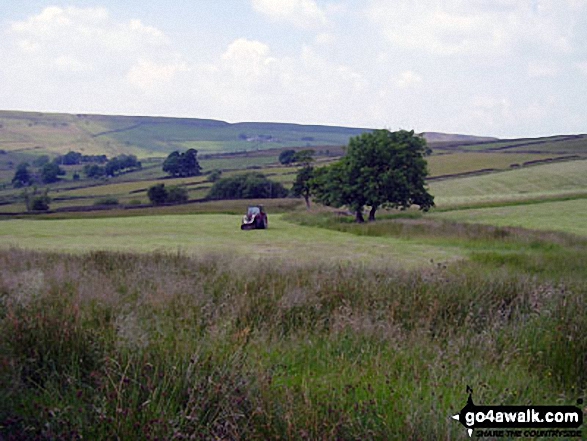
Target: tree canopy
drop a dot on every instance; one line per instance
(22, 176)
(182, 164)
(380, 169)
(252, 185)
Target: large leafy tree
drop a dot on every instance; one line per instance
(182, 164)
(380, 169)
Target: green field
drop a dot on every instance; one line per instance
(526, 183)
(215, 233)
(566, 216)
(169, 322)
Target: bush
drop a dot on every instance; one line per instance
(177, 195)
(214, 175)
(157, 194)
(247, 186)
(106, 201)
(39, 203)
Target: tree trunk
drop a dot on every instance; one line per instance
(307, 199)
(359, 216)
(372, 213)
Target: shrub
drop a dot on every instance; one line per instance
(106, 201)
(247, 186)
(177, 194)
(214, 175)
(157, 194)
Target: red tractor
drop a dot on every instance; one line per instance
(256, 218)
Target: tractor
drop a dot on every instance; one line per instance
(255, 219)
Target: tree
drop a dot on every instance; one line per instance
(157, 194)
(171, 164)
(36, 202)
(214, 175)
(304, 157)
(70, 158)
(189, 163)
(177, 195)
(182, 164)
(302, 185)
(252, 185)
(287, 157)
(22, 177)
(380, 169)
(50, 173)
(94, 171)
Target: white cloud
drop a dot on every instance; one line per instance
(408, 79)
(150, 76)
(301, 13)
(542, 69)
(583, 67)
(86, 50)
(473, 27)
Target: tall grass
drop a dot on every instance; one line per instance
(119, 346)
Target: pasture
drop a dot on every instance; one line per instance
(172, 323)
(565, 216)
(201, 234)
(548, 180)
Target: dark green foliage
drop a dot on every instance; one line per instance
(22, 177)
(174, 194)
(177, 194)
(106, 201)
(381, 169)
(287, 156)
(94, 171)
(120, 164)
(35, 201)
(50, 173)
(252, 185)
(304, 157)
(214, 175)
(302, 185)
(116, 165)
(157, 194)
(182, 164)
(41, 160)
(70, 158)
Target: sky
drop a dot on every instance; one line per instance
(504, 68)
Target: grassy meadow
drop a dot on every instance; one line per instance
(171, 323)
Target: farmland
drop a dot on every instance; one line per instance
(170, 322)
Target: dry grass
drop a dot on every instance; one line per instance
(117, 345)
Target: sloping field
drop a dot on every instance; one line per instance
(215, 233)
(566, 216)
(462, 162)
(155, 136)
(526, 183)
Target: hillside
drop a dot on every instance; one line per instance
(158, 136)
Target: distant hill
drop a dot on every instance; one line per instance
(158, 136)
(433, 137)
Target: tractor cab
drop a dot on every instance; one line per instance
(256, 218)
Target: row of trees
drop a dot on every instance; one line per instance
(47, 174)
(114, 166)
(288, 157)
